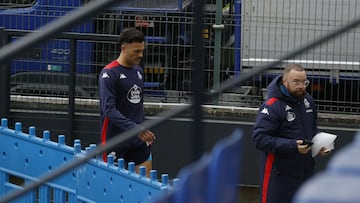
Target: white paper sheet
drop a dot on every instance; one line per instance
(320, 140)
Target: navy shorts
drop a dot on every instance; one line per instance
(138, 154)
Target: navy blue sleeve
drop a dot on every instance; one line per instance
(267, 129)
(107, 82)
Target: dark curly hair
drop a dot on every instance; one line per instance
(130, 35)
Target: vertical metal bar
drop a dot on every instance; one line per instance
(198, 80)
(180, 5)
(4, 80)
(59, 196)
(72, 198)
(44, 194)
(31, 195)
(237, 31)
(72, 85)
(4, 177)
(218, 26)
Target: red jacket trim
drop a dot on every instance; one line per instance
(271, 101)
(267, 174)
(103, 137)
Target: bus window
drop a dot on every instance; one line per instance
(4, 4)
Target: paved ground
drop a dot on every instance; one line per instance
(249, 194)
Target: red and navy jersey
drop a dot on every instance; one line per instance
(282, 120)
(121, 100)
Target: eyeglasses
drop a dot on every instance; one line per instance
(300, 83)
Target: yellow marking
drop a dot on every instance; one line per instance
(205, 33)
(156, 70)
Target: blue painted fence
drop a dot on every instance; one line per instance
(26, 157)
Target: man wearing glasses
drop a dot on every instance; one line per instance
(283, 130)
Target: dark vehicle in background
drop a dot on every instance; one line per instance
(167, 25)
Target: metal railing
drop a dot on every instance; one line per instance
(92, 182)
(199, 97)
(335, 81)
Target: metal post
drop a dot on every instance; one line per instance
(218, 26)
(198, 80)
(72, 85)
(4, 80)
(237, 31)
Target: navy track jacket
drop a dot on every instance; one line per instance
(121, 101)
(282, 120)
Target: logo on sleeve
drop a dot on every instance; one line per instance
(134, 94)
(287, 108)
(306, 103)
(265, 111)
(307, 106)
(123, 76)
(105, 75)
(290, 116)
(139, 75)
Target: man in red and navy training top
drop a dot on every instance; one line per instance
(121, 88)
(286, 118)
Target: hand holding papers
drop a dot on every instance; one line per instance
(320, 140)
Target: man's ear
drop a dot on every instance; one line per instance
(122, 48)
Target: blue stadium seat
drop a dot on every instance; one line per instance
(165, 198)
(343, 161)
(225, 169)
(357, 139)
(330, 188)
(194, 181)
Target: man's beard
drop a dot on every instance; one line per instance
(298, 94)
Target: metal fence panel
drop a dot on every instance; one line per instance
(255, 32)
(272, 28)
